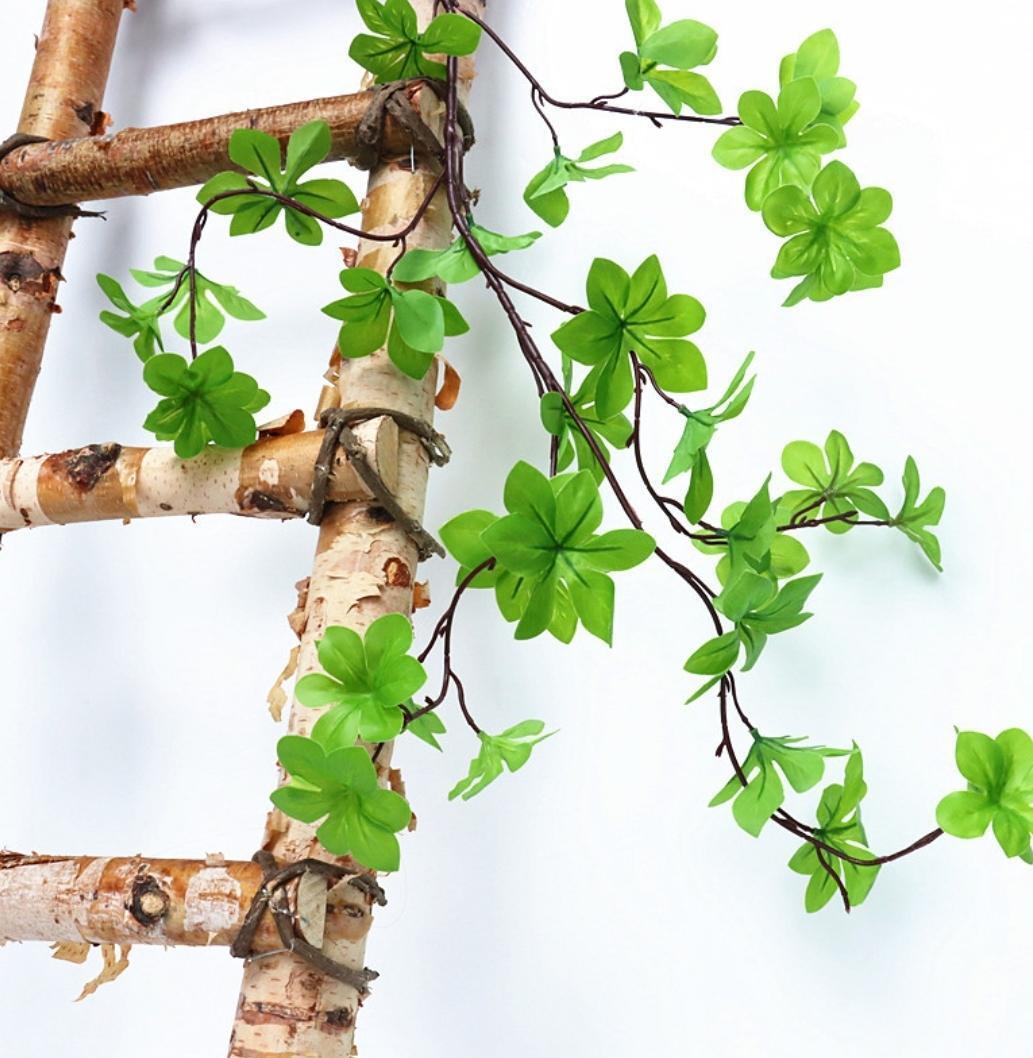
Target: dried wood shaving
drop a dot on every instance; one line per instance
(214, 859)
(113, 967)
(451, 384)
(71, 951)
(421, 595)
(294, 422)
(277, 697)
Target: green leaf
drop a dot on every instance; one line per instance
(456, 264)
(203, 401)
(915, 518)
(1000, 790)
(426, 728)
(634, 313)
(837, 243)
(510, 750)
(366, 682)
(361, 819)
(716, 656)
(818, 58)
(139, 322)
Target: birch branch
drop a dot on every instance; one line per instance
(65, 91)
(139, 161)
(134, 900)
(363, 569)
(271, 479)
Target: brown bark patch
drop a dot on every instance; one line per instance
(397, 573)
(257, 500)
(22, 273)
(148, 903)
(84, 467)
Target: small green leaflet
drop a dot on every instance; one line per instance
(1000, 791)
(546, 193)
(666, 57)
(839, 825)
(552, 567)
(833, 484)
(614, 431)
(455, 264)
(755, 803)
(203, 400)
(837, 243)
(818, 57)
(634, 314)
(914, 517)
(690, 454)
(413, 324)
(140, 322)
(365, 681)
(213, 302)
(426, 727)
(361, 819)
(397, 50)
(512, 748)
(781, 143)
(259, 154)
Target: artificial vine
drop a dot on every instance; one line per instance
(546, 559)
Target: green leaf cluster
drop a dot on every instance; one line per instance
(836, 239)
(546, 192)
(666, 57)
(634, 314)
(914, 518)
(690, 454)
(203, 400)
(840, 826)
(455, 263)
(340, 787)
(397, 50)
(764, 792)
(551, 566)
(259, 154)
(818, 58)
(365, 681)
(413, 324)
(512, 748)
(999, 794)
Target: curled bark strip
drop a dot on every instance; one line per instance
(140, 161)
(271, 478)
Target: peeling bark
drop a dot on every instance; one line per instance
(139, 161)
(357, 576)
(70, 70)
(103, 482)
(134, 900)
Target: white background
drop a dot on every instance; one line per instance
(590, 906)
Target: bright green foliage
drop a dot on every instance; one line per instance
(455, 264)
(690, 454)
(666, 57)
(259, 154)
(426, 728)
(834, 486)
(340, 784)
(837, 241)
(818, 57)
(634, 314)
(397, 50)
(512, 748)
(755, 803)
(914, 517)
(840, 826)
(615, 430)
(546, 193)
(203, 400)
(366, 679)
(782, 144)
(551, 567)
(1000, 791)
(412, 323)
(140, 322)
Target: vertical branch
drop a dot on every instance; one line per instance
(365, 566)
(64, 96)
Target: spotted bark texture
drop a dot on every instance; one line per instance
(67, 84)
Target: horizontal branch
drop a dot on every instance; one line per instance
(139, 161)
(271, 479)
(134, 900)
